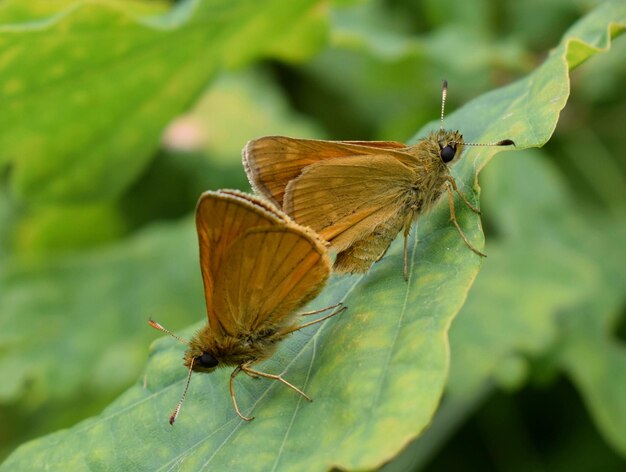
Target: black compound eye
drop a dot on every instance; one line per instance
(447, 153)
(207, 360)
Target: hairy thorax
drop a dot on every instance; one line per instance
(426, 191)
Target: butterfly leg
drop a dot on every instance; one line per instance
(248, 370)
(407, 231)
(232, 392)
(319, 320)
(307, 313)
(463, 197)
(456, 223)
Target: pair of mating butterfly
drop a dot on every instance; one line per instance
(263, 259)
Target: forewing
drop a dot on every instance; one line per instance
(269, 273)
(345, 200)
(272, 161)
(387, 145)
(257, 201)
(221, 217)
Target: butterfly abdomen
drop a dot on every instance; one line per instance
(360, 255)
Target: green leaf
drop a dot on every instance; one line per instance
(376, 373)
(266, 113)
(87, 309)
(390, 80)
(552, 284)
(571, 262)
(53, 228)
(511, 312)
(589, 352)
(543, 267)
(86, 93)
(596, 363)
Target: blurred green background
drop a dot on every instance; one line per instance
(115, 116)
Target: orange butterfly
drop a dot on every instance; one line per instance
(258, 268)
(358, 195)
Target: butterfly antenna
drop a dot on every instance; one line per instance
(174, 414)
(158, 326)
(504, 142)
(444, 94)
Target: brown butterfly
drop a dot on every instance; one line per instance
(258, 268)
(358, 195)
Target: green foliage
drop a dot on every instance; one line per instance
(86, 93)
(541, 292)
(90, 250)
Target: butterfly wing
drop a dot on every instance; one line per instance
(358, 204)
(257, 201)
(267, 275)
(386, 145)
(272, 161)
(221, 217)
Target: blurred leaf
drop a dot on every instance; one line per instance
(597, 366)
(84, 308)
(223, 128)
(304, 37)
(602, 175)
(390, 79)
(54, 228)
(6, 223)
(519, 207)
(135, 72)
(74, 327)
(17, 11)
(589, 352)
(603, 81)
(539, 23)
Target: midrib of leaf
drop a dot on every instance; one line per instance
(299, 402)
(398, 326)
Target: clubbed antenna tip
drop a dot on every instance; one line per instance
(506, 142)
(158, 326)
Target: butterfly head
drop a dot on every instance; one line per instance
(201, 355)
(450, 145)
(202, 362)
(198, 358)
